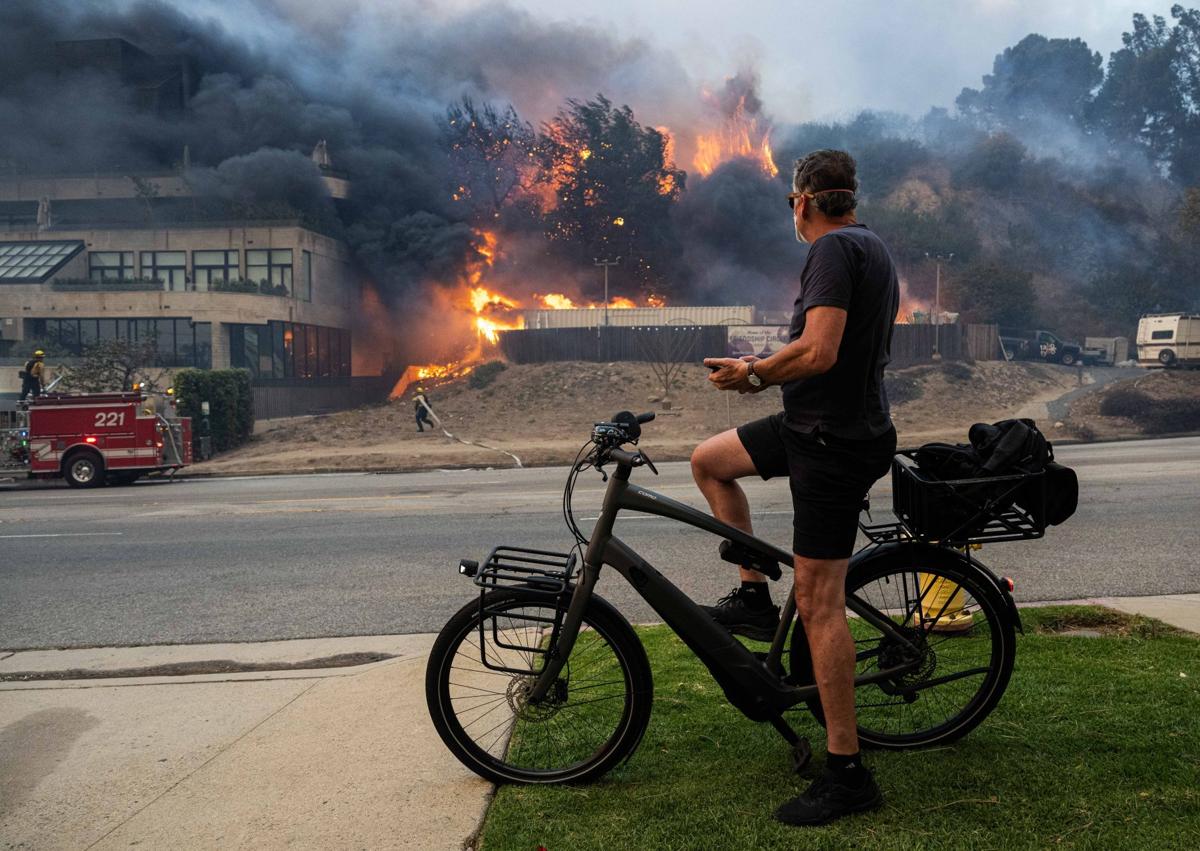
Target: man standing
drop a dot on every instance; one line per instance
(833, 440)
(32, 376)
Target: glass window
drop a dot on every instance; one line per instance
(167, 267)
(289, 350)
(209, 267)
(203, 357)
(111, 266)
(305, 276)
(323, 352)
(65, 332)
(34, 261)
(1162, 335)
(108, 328)
(88, 334)
(270, 265)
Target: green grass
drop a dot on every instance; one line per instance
(1096, 744)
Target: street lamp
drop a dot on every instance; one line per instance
(606, 264)
(937, 299)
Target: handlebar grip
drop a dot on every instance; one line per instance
(646, 417)
(631, 459)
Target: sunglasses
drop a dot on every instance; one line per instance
(792, 196)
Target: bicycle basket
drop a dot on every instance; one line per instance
(515, 640)
(967, 511)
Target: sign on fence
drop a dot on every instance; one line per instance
(759, 340)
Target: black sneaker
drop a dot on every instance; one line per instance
(827, 800)
(733, 613)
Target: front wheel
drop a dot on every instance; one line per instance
(956, 662)
(488, 656)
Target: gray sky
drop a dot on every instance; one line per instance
(822, 60)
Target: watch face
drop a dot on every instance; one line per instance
(753, 378)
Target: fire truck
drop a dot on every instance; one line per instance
(92, 439)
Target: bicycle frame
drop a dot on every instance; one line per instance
(755, 686)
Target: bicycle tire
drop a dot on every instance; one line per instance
(990, 622)
(601, 620)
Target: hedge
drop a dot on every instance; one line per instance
(230, 401)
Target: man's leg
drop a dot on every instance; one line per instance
(717, 464)
(846, 786)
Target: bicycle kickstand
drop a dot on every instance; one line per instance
(801, 749)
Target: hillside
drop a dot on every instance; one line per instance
(543, 413)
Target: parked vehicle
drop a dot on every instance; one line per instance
(1019, 344)
(1105, 351)
(91, 439)
(1169, 340)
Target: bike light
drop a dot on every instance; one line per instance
(1008, 583)
(467, 567)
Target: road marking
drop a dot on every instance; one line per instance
(66, 535)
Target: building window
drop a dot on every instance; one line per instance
(167, 267)
(174, 342)
(211, 267)
(305, 293)
(272, 266)
(111, 266)
(290, 350)
(1162, 335)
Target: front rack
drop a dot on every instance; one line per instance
(517, 640)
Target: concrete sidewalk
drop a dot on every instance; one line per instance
(325, 758)
(331, 758)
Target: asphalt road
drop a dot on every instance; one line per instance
(303, 556)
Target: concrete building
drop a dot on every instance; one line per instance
(139, 257)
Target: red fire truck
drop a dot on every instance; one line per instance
(97, 438)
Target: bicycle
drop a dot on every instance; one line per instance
(541, 680)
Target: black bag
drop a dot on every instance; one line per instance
(1005, 448)
(24, 373)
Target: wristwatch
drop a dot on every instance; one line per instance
(752, 376)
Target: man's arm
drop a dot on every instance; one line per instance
(813, 354)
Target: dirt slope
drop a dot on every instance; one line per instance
(543, 413)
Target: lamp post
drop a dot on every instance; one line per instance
(937, 300)
(605, 264)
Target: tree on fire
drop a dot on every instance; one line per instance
(492, 157)
(612, 193)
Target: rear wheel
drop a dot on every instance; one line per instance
(957, 660)
(1068, 359)
(477, 685)
(84, 469)
(1166, 357)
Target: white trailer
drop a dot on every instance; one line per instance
(1169, 339)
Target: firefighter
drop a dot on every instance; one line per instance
(422, 405)
(31, 376)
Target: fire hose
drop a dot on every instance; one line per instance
(437, 421)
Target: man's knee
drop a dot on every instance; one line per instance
(820, 588)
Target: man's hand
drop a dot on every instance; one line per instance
(733, 373)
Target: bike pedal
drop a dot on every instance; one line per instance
(801, 755)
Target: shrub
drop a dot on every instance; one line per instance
(230, 399)
(1167, 416)
(1125, 402)
(901, 389)
(485, 374)
(957, 371)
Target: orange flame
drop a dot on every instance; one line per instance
(739, 136)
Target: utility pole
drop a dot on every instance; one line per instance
(937, 300)
(606, 264)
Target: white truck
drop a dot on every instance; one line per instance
(1169, 340)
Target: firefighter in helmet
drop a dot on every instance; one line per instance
(421, 402)
(33, 374)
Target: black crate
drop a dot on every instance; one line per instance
(967, 511)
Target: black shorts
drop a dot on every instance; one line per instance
(829, 479)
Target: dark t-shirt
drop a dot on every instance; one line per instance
(848, 268)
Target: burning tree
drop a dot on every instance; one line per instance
(613, 187)
(492, 157)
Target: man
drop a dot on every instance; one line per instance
(32, 376)
(421, 402)
(833, 440)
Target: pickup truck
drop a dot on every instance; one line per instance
(1039, 345)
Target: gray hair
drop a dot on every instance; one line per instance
(832, 176)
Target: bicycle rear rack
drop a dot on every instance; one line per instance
(524, 636)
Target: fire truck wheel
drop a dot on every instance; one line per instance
(84, 469)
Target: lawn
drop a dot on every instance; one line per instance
(1096, 744)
